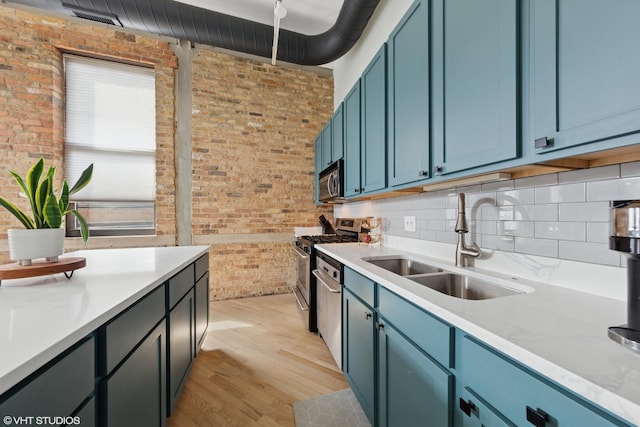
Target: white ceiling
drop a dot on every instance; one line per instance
(304, 16)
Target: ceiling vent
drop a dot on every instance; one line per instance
(92, 15)
(181, 21)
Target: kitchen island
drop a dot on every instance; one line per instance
(549, 333)
(120, 313)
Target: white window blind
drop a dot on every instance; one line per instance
(110, 122)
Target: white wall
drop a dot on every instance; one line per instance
(348, 69)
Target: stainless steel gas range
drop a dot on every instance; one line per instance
(347, 230)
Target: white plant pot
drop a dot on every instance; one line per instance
(27, 244)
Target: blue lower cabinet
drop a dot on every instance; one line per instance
(359, 351)
(413, 389)
(521, 395)
(135, 393)
(475, 412)
(57, 391)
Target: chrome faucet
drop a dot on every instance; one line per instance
(463, 252)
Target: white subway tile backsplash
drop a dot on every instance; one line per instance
(593, 174)
(446, 237)
(524, 196)
(630, 169)
(565, 193)
(506, 213)
(618, 189)
(486, 227)
(501, 243)
(470, 189)
(498, 186)
(547, 212)
(561, 215)
(598, 232)
(431, 201)
(588, 212)
(598, 253)
(516, 228)
(438, 225)
(428, 235)
(489, 213)
(543, 247)
(561, 230)
(537, 181)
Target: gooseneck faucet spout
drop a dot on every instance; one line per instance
(463, 252)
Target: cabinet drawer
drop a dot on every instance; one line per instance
(123, 333)
(359, 285)
(511, 388)
(425, 331)
(202, 266)
(180, 284)
(59, 390)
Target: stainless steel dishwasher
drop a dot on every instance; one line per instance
(328, 273)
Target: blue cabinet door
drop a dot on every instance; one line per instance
(359, 350)
(476, 84)
(373, 147)
(337, 134)
(352, 185)
(408, 97)
(319, 168)
(413, 390)
(326, 145)
(585, 63)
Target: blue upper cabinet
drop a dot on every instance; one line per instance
(475, 83)
(373, 143)
(408, 97)
(585, 66)
(337, 134)
(325, 152)
(319, 165)
(351, 122)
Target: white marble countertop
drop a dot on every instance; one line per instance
(559, 332)
(43, 316)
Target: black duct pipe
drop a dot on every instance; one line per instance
(186, 22)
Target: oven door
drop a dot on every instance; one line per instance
(303, 278)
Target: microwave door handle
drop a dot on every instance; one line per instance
(334, 185)
(330, 185)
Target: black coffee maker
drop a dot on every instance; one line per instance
(625, 237)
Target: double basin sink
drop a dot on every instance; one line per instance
(448, 283)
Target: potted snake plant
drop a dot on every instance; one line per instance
(43, 235)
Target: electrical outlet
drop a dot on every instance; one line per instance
(409, 223)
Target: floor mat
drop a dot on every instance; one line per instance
(339, 409)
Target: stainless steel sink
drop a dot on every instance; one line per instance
(403, 266)
(464, 287)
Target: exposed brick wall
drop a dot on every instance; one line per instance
(31, 95)
(254, 128)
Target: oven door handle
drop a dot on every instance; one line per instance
(324, 279)
(299, 299)
(302, 254)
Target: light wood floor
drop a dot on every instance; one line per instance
(257, 360)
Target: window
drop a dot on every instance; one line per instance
(110, 122)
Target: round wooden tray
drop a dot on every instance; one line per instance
(42, 268)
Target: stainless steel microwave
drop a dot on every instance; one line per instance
(330, 183)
